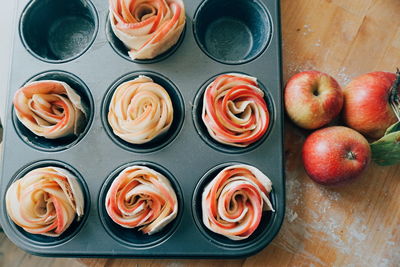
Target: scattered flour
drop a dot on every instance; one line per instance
(291, 215)
(326, 221)
(307, 29)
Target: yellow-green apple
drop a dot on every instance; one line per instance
(335, 154)
(366, 103)
(313, 99)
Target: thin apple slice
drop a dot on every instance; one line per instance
(147, 28)
(141, 198)
(45, 201)
(233, 202)
(140, 110)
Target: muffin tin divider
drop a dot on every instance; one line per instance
(187, 157)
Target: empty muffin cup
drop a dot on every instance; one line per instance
(133, 237)
(254, 239)
(232, 32)
(120, 136)
(58, 31)
(62, 143)
(197, 115)
(73, 228)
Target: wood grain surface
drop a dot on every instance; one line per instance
(353, 225)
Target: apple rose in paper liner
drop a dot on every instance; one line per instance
(147, 27)
(51, 109)
(233, 202)
(141, 197)
(140, 110)
(234, 110)
(45, 201)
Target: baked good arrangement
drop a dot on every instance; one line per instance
(159, 133)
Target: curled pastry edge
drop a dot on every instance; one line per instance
(267, 205)
(166, 183)
(77, 203)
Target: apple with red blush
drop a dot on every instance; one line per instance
(366, 103)
(313, 99)
(335, 155)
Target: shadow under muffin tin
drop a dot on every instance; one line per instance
(219, 37)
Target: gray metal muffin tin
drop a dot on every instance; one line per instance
(186, 155)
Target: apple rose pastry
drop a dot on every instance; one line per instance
(45, 201)
(140, 110)
(147, 27)
(51, 109)
(233, 202)
(234, 110)
(141, 197)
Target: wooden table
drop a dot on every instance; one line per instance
(353, 225)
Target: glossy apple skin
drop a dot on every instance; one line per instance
(366, 104)
(308, 110)
(335, 155)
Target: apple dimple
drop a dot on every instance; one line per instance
(315, 88)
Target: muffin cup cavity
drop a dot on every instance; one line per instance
(73, 229)
(160, 141)
(202, 129)
(59, 144)
(133, 237)
(260, 233)
(58, 31)
(119, 47)
(232, 32)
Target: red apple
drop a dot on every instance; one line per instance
(366, 103)
(335, 154)
(313, 99)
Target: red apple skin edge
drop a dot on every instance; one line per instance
(366, 104)
(334, 155)
(313, 99)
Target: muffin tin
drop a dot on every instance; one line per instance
(72, 41)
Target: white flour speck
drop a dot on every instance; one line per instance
(291, 215)
(307, 29)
